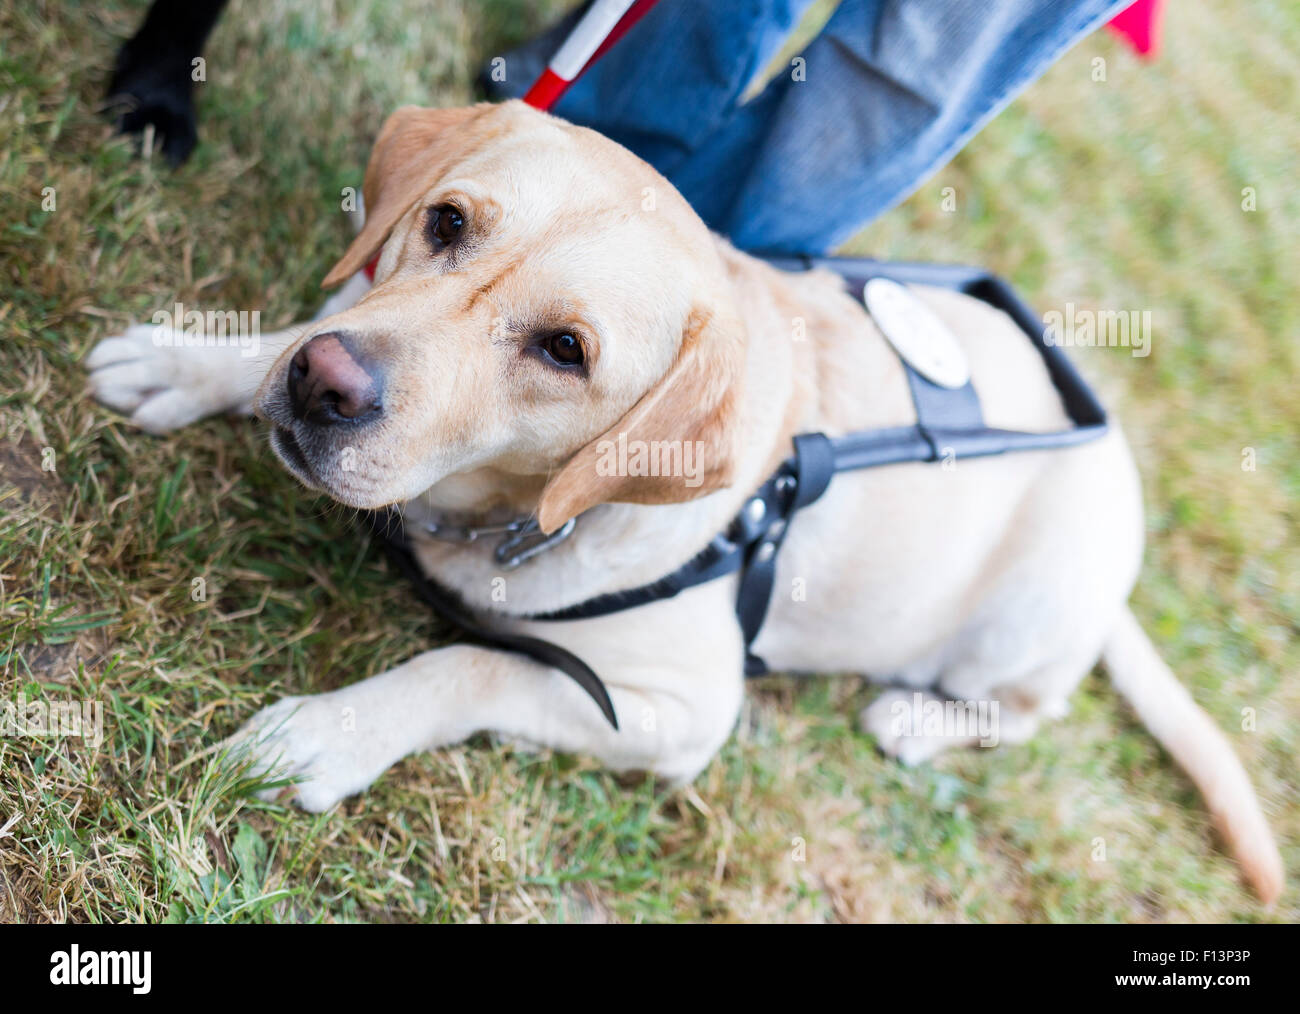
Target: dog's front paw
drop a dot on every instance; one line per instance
(312, 741)
(155, 89)
(896, 720)
(150, 375)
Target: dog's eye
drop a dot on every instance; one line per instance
(445, 223)
(564, 348)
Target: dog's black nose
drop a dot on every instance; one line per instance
(329, 384)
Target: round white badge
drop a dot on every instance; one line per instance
(917, 334)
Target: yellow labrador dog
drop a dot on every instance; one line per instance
(543, 294)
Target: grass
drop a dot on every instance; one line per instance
(1123, 193)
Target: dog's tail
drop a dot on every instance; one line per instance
(1173, 718)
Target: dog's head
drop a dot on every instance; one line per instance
(546, 309)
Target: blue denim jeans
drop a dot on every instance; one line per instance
(885, 96)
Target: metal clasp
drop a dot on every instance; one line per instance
(471, 533)
(528, 540)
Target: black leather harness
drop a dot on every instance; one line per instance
(949, 424)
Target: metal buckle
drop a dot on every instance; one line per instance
(528, 540)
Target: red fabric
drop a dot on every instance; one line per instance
(1139, 26)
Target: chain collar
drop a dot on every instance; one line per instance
(520, 538)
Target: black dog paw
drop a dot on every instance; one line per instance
(149, 87)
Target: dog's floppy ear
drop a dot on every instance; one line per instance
(412, 149)
(687, 426)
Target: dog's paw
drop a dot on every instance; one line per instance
(896, 721)
(154, 89)
(311, 741)
(160, 383)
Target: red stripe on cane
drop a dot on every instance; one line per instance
(634, 14)
(546, 90)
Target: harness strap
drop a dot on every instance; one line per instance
(800, 482)
(387, 527)
(948, 421)
(719, 558)
(943, 411)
